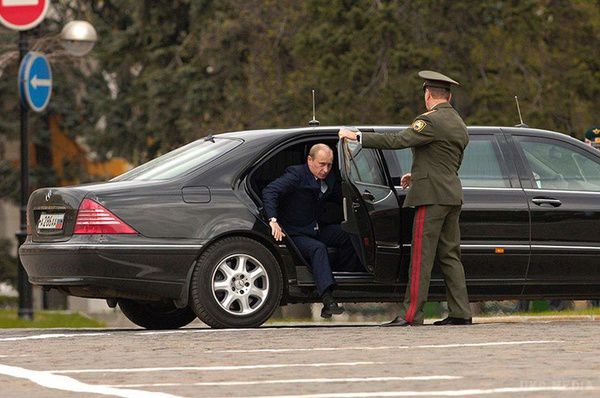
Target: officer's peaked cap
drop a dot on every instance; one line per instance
(436, 79)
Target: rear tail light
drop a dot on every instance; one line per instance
(92, 218)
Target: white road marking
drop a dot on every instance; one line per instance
(443, 393)
(15, 356)
(290, 381)
(52, 336)
(66, 383)
(61, 335)
(265, 329)
(215, 368)
(400, 347)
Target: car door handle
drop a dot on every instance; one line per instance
(368, 196)
(540, 201)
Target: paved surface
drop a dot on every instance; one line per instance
(539, 359)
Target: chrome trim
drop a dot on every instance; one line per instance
(562, 247)
(571, 247)
(468, 246)
(477, 188)
(532, 190)
(344, 204)
(387, 245)
(381, 200)
(492, 189)
(34, 245)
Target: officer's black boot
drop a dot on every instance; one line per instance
(330, 306)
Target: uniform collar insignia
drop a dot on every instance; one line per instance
(442, 105)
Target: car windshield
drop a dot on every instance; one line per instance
(181, 160)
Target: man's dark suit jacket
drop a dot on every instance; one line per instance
(296, 201)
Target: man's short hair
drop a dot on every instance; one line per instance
(438, 92)
(318, 147)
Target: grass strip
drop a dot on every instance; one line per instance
(586, 311)
(48, 319)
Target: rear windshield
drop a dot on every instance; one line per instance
(181, 161)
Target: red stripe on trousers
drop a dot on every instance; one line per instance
(416, 266)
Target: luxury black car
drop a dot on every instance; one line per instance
(184, 235)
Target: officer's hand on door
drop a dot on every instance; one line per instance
(405, 181)
(348, 134)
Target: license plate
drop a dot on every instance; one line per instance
(51, 221)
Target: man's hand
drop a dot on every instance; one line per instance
(405, 181)
(345, 133)
(276, 231)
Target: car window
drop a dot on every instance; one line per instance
(404, 158)
(558, 165)
(364, 166)
(180, 161)
(481, 165)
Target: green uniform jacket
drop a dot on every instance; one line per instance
(438, 139)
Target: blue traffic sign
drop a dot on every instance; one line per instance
(35, 81)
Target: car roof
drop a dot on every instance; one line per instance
(270, 134)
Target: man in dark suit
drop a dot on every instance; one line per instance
(296, 203)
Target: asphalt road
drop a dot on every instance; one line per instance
(540, 359)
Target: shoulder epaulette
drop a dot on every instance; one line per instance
(429, 112)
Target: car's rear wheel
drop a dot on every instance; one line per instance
(237, 283)
(156, 315)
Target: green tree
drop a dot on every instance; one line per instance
(166, 72)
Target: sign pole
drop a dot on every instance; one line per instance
(23, 15)
(24, 287)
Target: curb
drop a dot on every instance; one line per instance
(534, 318)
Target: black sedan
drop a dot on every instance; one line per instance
(184, 235)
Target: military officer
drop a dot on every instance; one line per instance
(438, 139)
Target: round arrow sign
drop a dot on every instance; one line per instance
(35, 81)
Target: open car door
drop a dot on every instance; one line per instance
(371, 210)
(356, 215)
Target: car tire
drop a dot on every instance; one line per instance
(236, 283)
(156, 315)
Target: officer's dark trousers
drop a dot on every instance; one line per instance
(436, 236)
(314, 251)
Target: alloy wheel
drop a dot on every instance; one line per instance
(240, 284)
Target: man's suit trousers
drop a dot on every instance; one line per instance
(314, 251)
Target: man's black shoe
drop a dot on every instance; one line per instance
(396, 322)
(331, 308)
(454, 321)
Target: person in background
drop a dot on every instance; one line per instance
(592, 137)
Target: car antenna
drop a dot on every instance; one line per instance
(520, 117)
(210, 138)
(314, 122)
